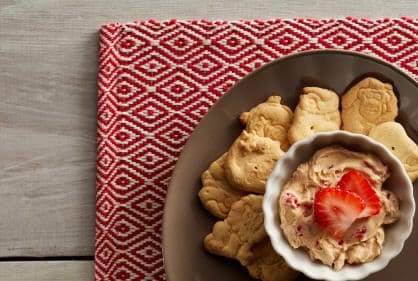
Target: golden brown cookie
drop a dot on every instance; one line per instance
(367, 104)
(241, 229)
(250, 161)
(394, 137)
(269, 119)
(216, 195)
(317, 111)
(268, 265)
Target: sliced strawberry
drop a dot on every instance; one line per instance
(358, 183)
(336, 209)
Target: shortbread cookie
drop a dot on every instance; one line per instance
(250, 161)
(317, 111)
(393, 136)
(269, 119)
(217, 195)
(241, 229)
(367, 104)
(268, 265)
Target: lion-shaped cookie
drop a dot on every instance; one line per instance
(394, 137)
(317, 111)
(250, 161)
(367, 104)
(269, 119)
(239, 231)
(216, 194)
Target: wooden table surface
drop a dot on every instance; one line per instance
(48, 65)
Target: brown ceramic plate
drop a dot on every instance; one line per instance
(186, 222)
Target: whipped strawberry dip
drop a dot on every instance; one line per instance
(334, 207)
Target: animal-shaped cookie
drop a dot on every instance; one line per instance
(241, 229)
(393, 136)
(268, 265)
(367, 104)
(217, 195)
(317, 111)
(269, 119)
(250, 161)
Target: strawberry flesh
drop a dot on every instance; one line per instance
(336, 209)
(358, 183)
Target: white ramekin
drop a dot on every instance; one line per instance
(395, 235)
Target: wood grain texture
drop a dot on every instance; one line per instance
(48, 64)
(47, 271)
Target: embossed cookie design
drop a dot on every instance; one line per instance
(269, 119)
(241, 229)
(250, 161)
(317, 111)
(216, 195)
(394, 137)
(367, 104)
(268, 265)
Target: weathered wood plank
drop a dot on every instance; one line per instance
(48, 62)
(47, 271)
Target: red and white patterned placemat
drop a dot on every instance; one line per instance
(156, 81)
